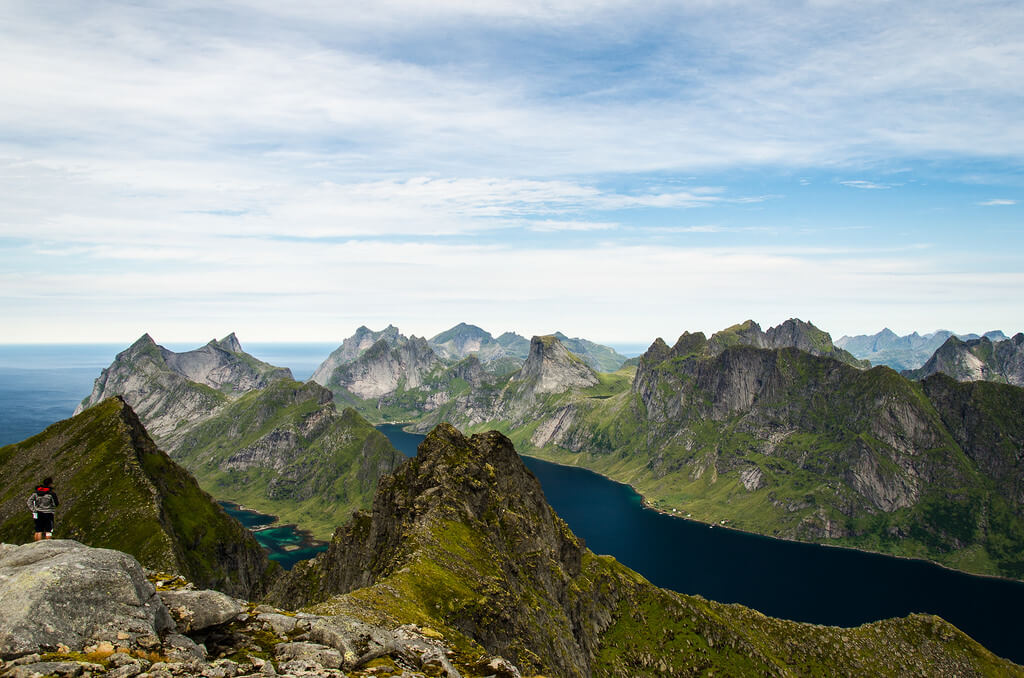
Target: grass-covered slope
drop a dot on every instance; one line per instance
(286, 450)
(462, 542)
(118, 490)
(785, 443)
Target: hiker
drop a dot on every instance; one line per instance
(43, 502)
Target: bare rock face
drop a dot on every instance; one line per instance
(199, 610)
(794, 333)
(551, 368)
(977, 360)
(381, 369)
(60, 592)
(166, 388)
(352, 348)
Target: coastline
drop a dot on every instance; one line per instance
(648, 505)
(303, 539)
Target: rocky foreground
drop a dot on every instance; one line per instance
(70, 610)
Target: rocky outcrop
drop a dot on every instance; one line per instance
(60, 593)
(199, 610)
(352, 347)
(794, 333)
(550, 368)
(172, 391)
(382, 369)
(118, 490)
(977, 360)
(95, 612)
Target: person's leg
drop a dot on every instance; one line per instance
(37, 536)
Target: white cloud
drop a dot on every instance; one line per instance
(997, 201)
(322, 291)
(871, 185)
(182, 164)
(549, 225)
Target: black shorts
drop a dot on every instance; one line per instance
(44, 522)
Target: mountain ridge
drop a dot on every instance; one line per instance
(119, 490)
(442, 532)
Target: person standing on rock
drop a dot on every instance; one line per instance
(43, 502)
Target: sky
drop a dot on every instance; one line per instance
(614, 170)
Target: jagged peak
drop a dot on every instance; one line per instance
(657, 351)
(144, 340)
(230, 343)
(551, 368)
(143, 346)
(688, 343)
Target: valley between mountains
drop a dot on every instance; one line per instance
(777, 431)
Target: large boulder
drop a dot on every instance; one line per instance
(60, 592)
(199, 610)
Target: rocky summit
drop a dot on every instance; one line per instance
(118, 490)
(462, 542)
(906, 352)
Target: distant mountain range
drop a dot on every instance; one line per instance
(387, 376)
(903, 353)
(776, 431)
(980, 359)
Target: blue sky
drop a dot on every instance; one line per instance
(614, 170)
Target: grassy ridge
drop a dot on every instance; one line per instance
(117, 490)
(286, 451)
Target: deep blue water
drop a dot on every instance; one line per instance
(791, 580)
(406, 443)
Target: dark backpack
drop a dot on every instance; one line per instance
(43, 503)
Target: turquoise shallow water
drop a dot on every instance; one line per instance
(286, 544)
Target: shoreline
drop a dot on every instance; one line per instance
(646, 504)
(308, 540)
